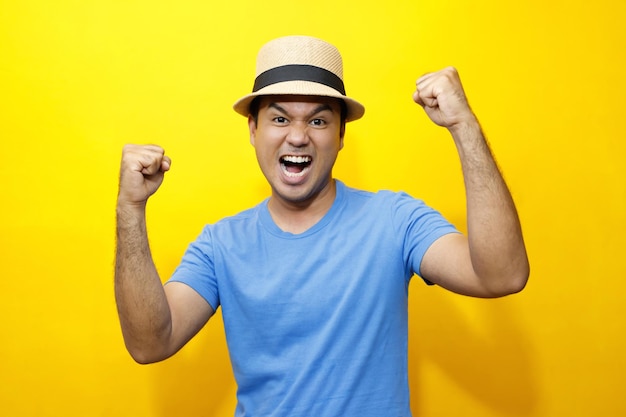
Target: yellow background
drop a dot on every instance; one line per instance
(78, 79)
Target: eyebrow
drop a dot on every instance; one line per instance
(322, 107)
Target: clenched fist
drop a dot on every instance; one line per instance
(442, 97)
(141, 173)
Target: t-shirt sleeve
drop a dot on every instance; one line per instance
(197, 268)
(419, 226)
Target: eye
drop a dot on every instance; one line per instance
(318, 122)
(279, 120)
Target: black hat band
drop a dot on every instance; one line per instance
(298, 73)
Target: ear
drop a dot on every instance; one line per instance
(252, 128)
(342, 133)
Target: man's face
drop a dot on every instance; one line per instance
(297, 139)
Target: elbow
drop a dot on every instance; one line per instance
(147, 346)
(142, 359)
(144, 355)
(514, 282)
(520, 277)
(517, 285)
(505, 282)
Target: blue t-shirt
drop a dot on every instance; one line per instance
(316, 323)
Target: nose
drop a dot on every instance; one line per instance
(298, 134)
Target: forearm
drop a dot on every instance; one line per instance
(496, 244)
(142, 306)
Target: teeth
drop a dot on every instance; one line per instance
(295, 174)
(297, 159)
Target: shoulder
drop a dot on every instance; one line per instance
(230, 228)
(397, 209)
(355, 195)
(407, 216)
(242, 218)
(394, 203)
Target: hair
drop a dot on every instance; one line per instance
(254, 110)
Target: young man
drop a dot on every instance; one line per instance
(313, 281)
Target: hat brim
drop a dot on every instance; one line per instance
(355, 110)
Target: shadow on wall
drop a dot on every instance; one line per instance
(486, 355)
(198, 380)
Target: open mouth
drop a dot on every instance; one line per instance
(295, 166)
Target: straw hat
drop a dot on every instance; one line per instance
(299, 65)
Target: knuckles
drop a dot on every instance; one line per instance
(144, 158)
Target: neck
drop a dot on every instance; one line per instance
(298, 217)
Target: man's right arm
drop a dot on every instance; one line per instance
(156, 321)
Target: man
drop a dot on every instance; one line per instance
(313, 281)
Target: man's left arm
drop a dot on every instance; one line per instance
(491, 260)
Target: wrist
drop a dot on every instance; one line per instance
(467, 127)
(470, 141)
(126, 202)
(130, 213)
